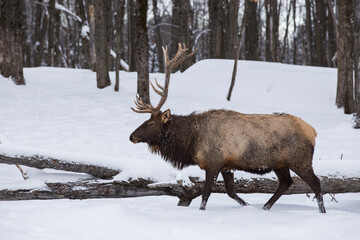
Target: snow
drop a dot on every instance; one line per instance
(60, 113)
(67, 11)
(147, 218)
(85, 31)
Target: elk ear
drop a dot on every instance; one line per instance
(165, 116)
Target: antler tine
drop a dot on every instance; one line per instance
(142, 107)
(166, 54)
(142, 103)
(140, 111)
(155, 90)
(159, 86)
(180, 56)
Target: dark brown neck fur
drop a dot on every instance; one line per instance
(177, 141)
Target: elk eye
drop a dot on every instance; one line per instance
(150, 124)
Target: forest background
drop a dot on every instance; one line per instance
(116, 34)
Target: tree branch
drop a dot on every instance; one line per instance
(47, 162)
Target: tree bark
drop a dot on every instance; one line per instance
(181, 29)
(145, 187)
(272, 30)
(309, 35)
(51, 33)
(41, 162)
(285, 41)
(268, 56)
(11, 38)
(216, 18)
(91, 11)
(231, 27)
(295, 34)
(223, 24)
(158, 39)
(344, 93)
(332, 34)
(357, 61)
(119, 25)
(85, 36)
(41, 22)
(142, 51)
(320, 33)
(132, 41)
(101, 44)
(275, 30)
(251, 31)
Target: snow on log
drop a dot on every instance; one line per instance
(41, 162)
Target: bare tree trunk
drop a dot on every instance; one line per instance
(232, 28)
(275, 30)
(304, 53)
(158, 40)
(40, 32)
(216, 18)
(51, 34)
(92, 34)
(268, 55)
(132, 41)
(180, 29)
(272, 30)
(309, 35)
(11, 38)
(142, 50)
(119, 25)
(344, 93)
(85, 36)
(357, 61)
(320, 33)
(332, 34)
(295, 37)
(251, 30)
(101, 45)
(286, 33)
(236, 57)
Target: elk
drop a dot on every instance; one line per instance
(220, 141)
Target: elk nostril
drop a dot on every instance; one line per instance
(133, 139)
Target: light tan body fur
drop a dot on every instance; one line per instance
(251, 141)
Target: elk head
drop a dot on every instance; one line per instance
(151, 129)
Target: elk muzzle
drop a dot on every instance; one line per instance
(133, 139)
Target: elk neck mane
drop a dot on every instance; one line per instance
(177, 141)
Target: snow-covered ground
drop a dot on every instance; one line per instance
(61, 113)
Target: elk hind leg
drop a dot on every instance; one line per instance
(210, 180)
(285, 181)
(313, 181)
(230, 188)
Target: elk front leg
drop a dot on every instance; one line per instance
(210, 180)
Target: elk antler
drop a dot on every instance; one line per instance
(180, 57)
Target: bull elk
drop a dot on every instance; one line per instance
(220, 141)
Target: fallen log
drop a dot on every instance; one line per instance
(41, 162)
(186, 193)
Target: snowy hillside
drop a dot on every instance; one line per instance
(60, 113)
